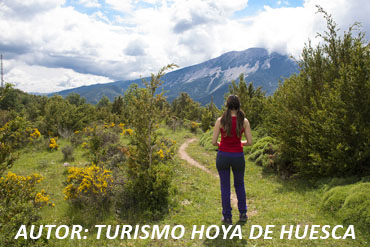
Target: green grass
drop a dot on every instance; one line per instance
(195, 201)
(281, 202)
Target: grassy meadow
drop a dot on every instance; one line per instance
(195, 200)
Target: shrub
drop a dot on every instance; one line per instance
(53, 145)
(68, 153)
(207, 120)
(148, 168)
(20, 204)
(320, 115)
(90, 186)
(265, 153)
(206, 141)
(164, 149)
(99, 142)
(350, 203)
(7, 157)
(35, 134)
(77, 138)
(115, 155)
(194, 126)
(18, 132)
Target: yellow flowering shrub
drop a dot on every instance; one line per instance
(18, 132)
(89, 185)
(124, 130)
(7, 157)
(128, 131)
(194, 126)
(160, 153)
(165, 149)
(22, 188)
(53, 145)
(20, 203)
(35, 134)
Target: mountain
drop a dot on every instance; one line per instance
(207, 79)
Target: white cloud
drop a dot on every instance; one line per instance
(26, 9)
(44, 80)
(90, 3)
(287, 29)
(59, 40)
(123, 6)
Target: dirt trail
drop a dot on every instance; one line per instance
(184, 155)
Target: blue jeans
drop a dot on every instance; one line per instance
(236, 162)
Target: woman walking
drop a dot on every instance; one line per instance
(232, 124)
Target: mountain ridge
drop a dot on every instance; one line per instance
(207, 79)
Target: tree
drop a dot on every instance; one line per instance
(147, 170)
(319, 115)
(184, 107)
(209, 115)
(117, 105)
(75, 99)
(8, 97)
(103, 102)
(252, 100)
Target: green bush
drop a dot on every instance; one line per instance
(68, 153)
(206, 140)
(350, 203)
(320, 116)
(20, 204)
(18, 132)
(148, 169)
(99, 142)
(264, 152)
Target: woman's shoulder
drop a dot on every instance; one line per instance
(246, 122)
(218, 122)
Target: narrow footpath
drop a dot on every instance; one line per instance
(184, 155)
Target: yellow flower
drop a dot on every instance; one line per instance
(35, 134)
(160, 153)
(53, 143)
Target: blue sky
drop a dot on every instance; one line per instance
(256, 6)
(51, 45)
(252, 8)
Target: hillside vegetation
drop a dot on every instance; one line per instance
(65, 162)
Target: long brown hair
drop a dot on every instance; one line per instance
(233, 103)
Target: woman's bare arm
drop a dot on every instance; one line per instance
(216, 132)
(247, 133)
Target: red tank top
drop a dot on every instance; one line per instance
(231, 143)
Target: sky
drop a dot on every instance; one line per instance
(52, 45)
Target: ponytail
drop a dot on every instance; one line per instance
(240, 122)
(226, 122)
